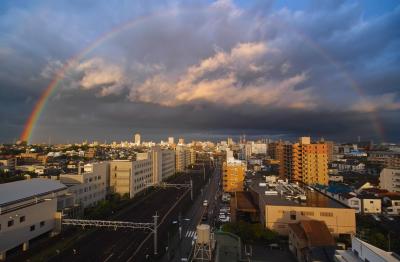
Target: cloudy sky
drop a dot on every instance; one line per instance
(201, 69)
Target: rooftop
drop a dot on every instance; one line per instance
(25, 189)
(313, 197)
(315, 232)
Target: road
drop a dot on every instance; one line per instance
(181, 245)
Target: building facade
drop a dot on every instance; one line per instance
(308, 162)
(389, 179)
(182, 158)
(90, 185)
(28, 209)
(130, 177)
(233, 173)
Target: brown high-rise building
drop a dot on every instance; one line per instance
(233, 175)
(281, 151)
(309, 162)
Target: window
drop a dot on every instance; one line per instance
(32, 228)
(22, 219)
(292, 216)
(41, 223)
(326, 214)
(371, 202)
(10, 223)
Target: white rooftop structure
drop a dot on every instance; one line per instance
(363, 251)
(25, 189)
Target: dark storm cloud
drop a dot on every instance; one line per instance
(327, 43)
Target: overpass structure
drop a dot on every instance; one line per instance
(152, 227)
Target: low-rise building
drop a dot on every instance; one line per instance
(311, 241)
(370, 204)
(390, 159)
(349, 165)
(279, 209)
(392, 204)
(28, 209)
(351, 200)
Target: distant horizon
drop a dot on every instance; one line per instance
(188, 138)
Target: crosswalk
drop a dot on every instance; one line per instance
(191, 234)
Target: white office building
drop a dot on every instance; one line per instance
(28, 209)
(163, 163)
(89, 186)
(130, 177)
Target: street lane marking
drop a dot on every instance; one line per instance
(191, 234)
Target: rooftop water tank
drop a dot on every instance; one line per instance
(203, 234)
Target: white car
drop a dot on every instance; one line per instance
(225, 219)
(205, 203)
(376, 217)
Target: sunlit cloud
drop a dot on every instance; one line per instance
(384, 102)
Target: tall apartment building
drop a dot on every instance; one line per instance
(282, 152)
(182, 158)
(259, 148)
(309, 162)
(90, 185)
(330, 145)
(167, 163)
(233, 173)
(389, 179)
(137, 139)
(303, 161)
(163, 163)
(130, 177)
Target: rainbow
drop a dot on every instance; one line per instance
(40, 105)
(59, 76)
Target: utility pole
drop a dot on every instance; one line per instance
(155, 233)
(191, 189)
(204, 173)
(180, 225)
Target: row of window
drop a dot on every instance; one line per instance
(306, 213)
(91, 179)
(10, 222)
(22, 219)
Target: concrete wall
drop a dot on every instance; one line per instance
(365, 252)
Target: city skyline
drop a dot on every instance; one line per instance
(267, 69)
